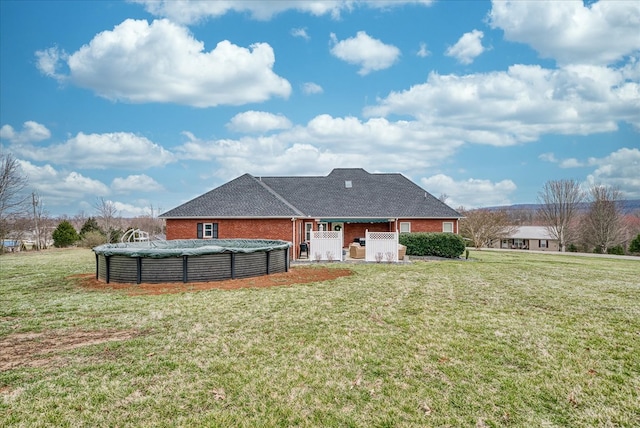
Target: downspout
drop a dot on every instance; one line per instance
(293, 238)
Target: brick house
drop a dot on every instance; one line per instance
(288, 208)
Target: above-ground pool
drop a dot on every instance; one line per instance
(190, 260)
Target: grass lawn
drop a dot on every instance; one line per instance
(507, 339)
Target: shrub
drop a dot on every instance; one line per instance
(433, 244)
(617, 250)
(64, 235)
(634, 246)
(115, 235)
(92, 239)
(572, 248)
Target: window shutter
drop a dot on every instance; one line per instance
(200, 231)
(215, 231)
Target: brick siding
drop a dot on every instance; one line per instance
(282, 229)
(232, 228)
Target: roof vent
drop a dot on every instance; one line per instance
(348, 184)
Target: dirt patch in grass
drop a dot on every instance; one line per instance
(297, 275)
(40, 349)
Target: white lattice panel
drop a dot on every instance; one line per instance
(326, 245)
(382, 235)
(381, 247)
(326, 234)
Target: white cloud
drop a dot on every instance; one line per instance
(620, 169)
(423, 51)
(135, 184)
(519, 105)
(571, 163)
(258, 121)
(300, 32)
(111, 150)
(562, 163)
(369, 53)
(602, 32)
(310, 88)
(48, 62)
(129, 210)
(548, 157)
(61, 187)
(468, 47)
(194, 11)
(31, 132)
(327, 142)
(471, 193)
(161, 62)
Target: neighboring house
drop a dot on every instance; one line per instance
(11, 245)
(289, 208)
(529, 238)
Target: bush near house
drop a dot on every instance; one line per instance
(433, 244)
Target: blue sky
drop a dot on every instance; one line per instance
(153, 103)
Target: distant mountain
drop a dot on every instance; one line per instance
(628, 206)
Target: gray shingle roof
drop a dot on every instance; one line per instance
(370, 196)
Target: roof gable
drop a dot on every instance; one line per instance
(244, 196)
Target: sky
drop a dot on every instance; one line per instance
(148, 104)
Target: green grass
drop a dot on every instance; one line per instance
(507, 339)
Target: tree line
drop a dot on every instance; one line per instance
(23, 216)
(600, 228)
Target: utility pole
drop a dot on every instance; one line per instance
(35, 201)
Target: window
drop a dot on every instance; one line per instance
(447, 226)
(543, 243)
(308, 227)
(405, 227)
(207, 231)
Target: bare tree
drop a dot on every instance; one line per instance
(12, 184)
(47, 226)
(483, 226)
(13, 199)
(603, 225)
(39, 219)
(155, 227)
(107, 211)
(79, 219)
(560, 201)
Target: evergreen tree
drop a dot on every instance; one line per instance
(634, 247)
(64, 235)
(91, 225)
